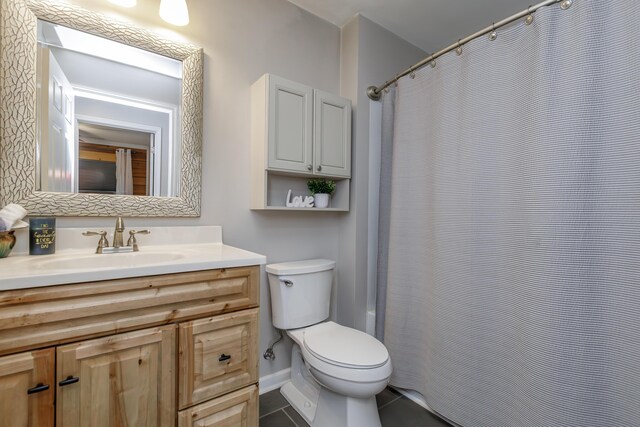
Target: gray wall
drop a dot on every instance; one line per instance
(243, 40)
(370, 55)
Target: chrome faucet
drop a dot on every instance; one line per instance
(118, 245)
(117, 234)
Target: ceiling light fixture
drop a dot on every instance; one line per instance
(174, 12)
(124, 3)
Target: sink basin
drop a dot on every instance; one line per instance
(96, 261)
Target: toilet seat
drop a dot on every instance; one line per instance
(344, 347)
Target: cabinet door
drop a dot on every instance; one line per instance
(217, 355)
(332, 135)
(27, 389)
(120, 380)
(237, 409)
(289, 125)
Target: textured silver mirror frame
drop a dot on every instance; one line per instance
(18, 48)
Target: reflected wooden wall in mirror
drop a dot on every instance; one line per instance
(171, 181)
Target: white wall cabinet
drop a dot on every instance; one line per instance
(298, 133)
(331, 135)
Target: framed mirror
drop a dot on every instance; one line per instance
(63, 131)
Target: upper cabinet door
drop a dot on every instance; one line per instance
(120, 380)
(332, 149)
(290, 125)
(27, 389)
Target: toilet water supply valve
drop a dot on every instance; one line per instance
(268, 353)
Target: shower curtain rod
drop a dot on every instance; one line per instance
(375, 93)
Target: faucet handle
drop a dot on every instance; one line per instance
(132, 238)
(102, 243)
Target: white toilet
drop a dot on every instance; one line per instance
(335, 371)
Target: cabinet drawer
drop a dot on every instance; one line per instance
(33, 318)
(217, 355)
(237, 409)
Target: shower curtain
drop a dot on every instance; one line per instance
(511, 291)
(124, 173)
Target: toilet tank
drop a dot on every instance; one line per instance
(300, 292)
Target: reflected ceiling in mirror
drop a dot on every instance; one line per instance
(172, 172)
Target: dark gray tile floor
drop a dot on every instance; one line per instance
(395, 411)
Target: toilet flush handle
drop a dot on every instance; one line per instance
(288, 283)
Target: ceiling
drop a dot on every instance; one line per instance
(429, 24)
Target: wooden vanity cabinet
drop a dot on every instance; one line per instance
(121, 380)
(132, 352)
(27, 389)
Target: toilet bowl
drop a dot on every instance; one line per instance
(344, 360)
(336, 371)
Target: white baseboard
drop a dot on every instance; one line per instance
(274, 381)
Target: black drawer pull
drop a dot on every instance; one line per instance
(37, 389)
(224, 357)
(69, 380)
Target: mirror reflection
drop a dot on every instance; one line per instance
(108, 116)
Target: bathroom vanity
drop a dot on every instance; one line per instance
(138, 347)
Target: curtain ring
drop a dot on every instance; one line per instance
(412, 74)
(529, 19)
(459, 49)
(493, 34)
(432, 62)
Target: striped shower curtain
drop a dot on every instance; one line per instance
(510, 295)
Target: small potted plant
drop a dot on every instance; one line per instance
(321, 189)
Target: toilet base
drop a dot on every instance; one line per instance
(321, 407)
(302, 404)
(331, 409)
(335, 410)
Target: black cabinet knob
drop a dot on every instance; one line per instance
(224, 357)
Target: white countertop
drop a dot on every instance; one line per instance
(75, 264)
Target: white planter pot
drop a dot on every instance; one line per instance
(321, 200)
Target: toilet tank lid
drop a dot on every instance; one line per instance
(301, 267)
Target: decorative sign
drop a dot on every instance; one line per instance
(42, 236)
(299, 201)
